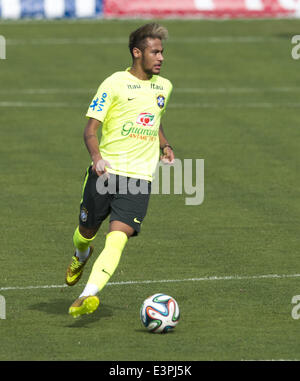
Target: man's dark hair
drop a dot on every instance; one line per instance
(137, 38)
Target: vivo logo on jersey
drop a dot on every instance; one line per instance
(146, 119)
(99, 103)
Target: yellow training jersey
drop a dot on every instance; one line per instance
(130, 110)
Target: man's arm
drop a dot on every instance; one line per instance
(167, 150)
(92, 144)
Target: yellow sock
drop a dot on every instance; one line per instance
(106, 263)
(81, 243)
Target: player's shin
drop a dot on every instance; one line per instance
(106, 263)
(82, 245)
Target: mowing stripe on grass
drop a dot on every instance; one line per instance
(134, 282)
(122, 40)
(185, 90)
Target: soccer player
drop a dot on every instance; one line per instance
(128, 106)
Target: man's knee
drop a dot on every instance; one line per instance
(88, 233)
(121, 226)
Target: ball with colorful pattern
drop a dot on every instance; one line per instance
(159, 313)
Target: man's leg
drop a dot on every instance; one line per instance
(103, 268)
(82, 239)
(126, 216)
(108, 260)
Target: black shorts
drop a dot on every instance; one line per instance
(125, 199)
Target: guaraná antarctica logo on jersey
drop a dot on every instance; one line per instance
(146, 119)
(143, 132)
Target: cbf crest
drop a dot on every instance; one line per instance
(83, 214)
(161, 101)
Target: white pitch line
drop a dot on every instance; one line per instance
(236, 105)
(38, 104)
(137, 282)
(238, 90)
(272, 360)
(46, 91)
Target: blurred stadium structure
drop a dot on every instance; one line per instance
(53, 9)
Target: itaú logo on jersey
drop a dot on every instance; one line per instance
(146, 119)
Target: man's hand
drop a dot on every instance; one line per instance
(92, 144)
(168, 155)
(99, 166)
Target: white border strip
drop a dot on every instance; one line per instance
(128, 20)
(11, 9)
(204, 5)
(254, 5)
(137, 282)
(85, 8)
(54, 8)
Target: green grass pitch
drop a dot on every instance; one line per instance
(236, 105)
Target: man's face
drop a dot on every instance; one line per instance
(152, 56)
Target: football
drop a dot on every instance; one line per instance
(159, 313)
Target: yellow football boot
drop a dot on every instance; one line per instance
(84, 305)
(75, 269)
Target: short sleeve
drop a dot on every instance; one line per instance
(101, 101)
(170, 88)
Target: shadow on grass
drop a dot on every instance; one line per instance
(84, 321)
(61, 307)
(146, 332)
(55, 306)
